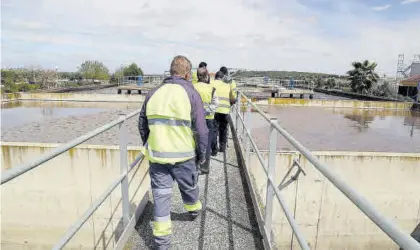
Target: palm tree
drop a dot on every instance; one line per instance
(363, 76)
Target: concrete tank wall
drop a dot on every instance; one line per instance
(326, 217)
(270, 101)
(75, 97)
(39, 207)
(355, 104)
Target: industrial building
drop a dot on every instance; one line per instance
(409, 77)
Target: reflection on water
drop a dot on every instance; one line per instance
(343, 129)
(396, 121)
(19, 113)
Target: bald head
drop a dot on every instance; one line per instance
(202, 74)
(181, 66)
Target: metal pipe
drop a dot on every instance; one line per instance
(271, 173)
(123, 170)
(19, 170)
(398, 236)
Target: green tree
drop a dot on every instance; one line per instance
(330, 83)
(318, 82)
(132, 70)
(94, 70)
(362, 76)
(384, 89)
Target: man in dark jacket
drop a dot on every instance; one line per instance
(173, 129)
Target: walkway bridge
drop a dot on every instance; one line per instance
(234, 216)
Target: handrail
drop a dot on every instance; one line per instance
(397, 235)
(78, 224)
(299, 235)
(122, 179)
(19, 170)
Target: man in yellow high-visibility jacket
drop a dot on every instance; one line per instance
(211, 102)
(224, 92)
(228, 79)
(174, 131)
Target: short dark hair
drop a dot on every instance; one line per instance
(180, 66)
(219, 75)
(224, 70)
(202, 64)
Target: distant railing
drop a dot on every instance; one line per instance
(402, 239)
(146, 80)
(15, 172)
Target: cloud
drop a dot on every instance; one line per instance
(383, 7)
(410, 1)
(253, 34)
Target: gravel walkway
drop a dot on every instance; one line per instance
(226, 222)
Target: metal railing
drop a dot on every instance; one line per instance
(397, 235)
(125, 169)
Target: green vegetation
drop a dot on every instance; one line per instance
(361, 79)
(30, 79)
(21, 80)
(285, 74)
(131, 70)
(71, 76)
(363, 76)
(94, 70)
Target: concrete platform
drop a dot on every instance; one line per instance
(293, 92)
(277, 91)
(226, 222)
(133, 87)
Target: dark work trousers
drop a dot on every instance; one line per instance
(222, 127)
(162, 178)
(212, 144)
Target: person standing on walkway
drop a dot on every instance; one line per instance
(228, 79)
(211, 102)
(175, 136)
(194, 74)
(224, 92)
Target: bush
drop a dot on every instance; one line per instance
(71, 84)
(25, 87)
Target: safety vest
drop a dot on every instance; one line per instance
(223, 93)
(233, 88)
(194, 77)
(206, 92)
(168, 114)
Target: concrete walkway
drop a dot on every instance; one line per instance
(227, 221)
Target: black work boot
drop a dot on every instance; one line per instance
(215, 151)
(194, 214)
(204, 170)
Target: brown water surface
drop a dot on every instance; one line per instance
(342, 129)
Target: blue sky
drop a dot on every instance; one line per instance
(300, 35)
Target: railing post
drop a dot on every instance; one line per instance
(247, 126)
(271, 173)
(238, 110)
(124, 170)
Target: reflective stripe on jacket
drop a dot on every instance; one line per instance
(206, 92)
(169, 119)
(223, 91)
